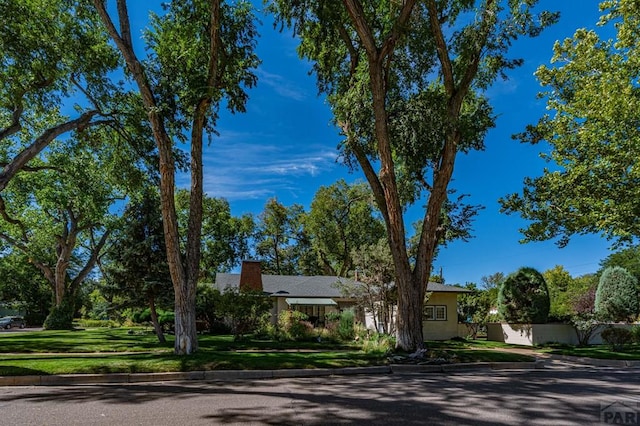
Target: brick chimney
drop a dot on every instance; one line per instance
(251, 276)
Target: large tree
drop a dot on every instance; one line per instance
(342, 218)
(405, 82)
(592, 184)
(54, 57)
(59, 216)
(280, 239)
(199, 53)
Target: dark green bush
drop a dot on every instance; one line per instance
(60, 317)
(635, 332)
(524, 298)
(346, 329)
(616, 337)
(617, 295)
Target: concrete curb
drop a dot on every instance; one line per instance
(236, 375)
(614, 363)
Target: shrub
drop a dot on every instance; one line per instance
(244, 311)
(92, 323)
(616, 337)
(379, 344)
(635, 333)
(346, 329)
(584, 325)
(524, 298)
(60, 317)
(293, 325)
(617, 295)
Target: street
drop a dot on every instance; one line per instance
(580, 396)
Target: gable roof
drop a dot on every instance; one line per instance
(288, 285)
(304, 286)
(443, 288)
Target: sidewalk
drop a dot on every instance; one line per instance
(542, 360)
(566, 361)
(233, 375)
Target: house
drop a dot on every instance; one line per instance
(317, 296)
(440, 320)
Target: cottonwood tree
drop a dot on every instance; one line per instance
(199, 53)
(593, 97)
(54, 58)
(342, 218)
(405, 82)
(59, 216)
(280, 239)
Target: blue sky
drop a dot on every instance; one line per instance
(285, 147)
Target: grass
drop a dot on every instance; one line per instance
(122, 350)
(630, 352)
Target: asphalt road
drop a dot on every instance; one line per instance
(539, 397)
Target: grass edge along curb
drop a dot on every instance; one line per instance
(235, 375)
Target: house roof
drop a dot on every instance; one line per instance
(443, 288)
(316, 286)
(288, 285)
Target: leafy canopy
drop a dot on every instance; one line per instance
(593, 182)
(524, 298)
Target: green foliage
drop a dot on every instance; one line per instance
(60, 317)
(94, 323)
(224, 237)
(24, 285)
(616, 337)
(594, 103)
(245, 311)
(379, 343)
(523, 298)
(617, 297)
(407, 94)
(346, 325)
(293, 325)
(559, 283)
(342, 218)
(585, 326)
(281, 241)
(373, 284)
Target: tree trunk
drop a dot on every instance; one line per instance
(154, 320)
(409, 321)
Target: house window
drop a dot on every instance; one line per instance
(435, 313)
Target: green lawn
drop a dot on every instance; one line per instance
(630, 352)
(122, 350)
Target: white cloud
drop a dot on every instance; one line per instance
(281, 85)
(245, 171)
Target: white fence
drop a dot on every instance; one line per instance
(537, 334)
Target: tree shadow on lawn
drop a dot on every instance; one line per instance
(540, 397)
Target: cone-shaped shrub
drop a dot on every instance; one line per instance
(524, 298)
(617, 295)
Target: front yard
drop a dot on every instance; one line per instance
(136, 350)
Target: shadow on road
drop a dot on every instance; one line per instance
(541, 397)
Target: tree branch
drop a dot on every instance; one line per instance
(40, 143)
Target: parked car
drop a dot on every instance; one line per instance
(8, 322)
